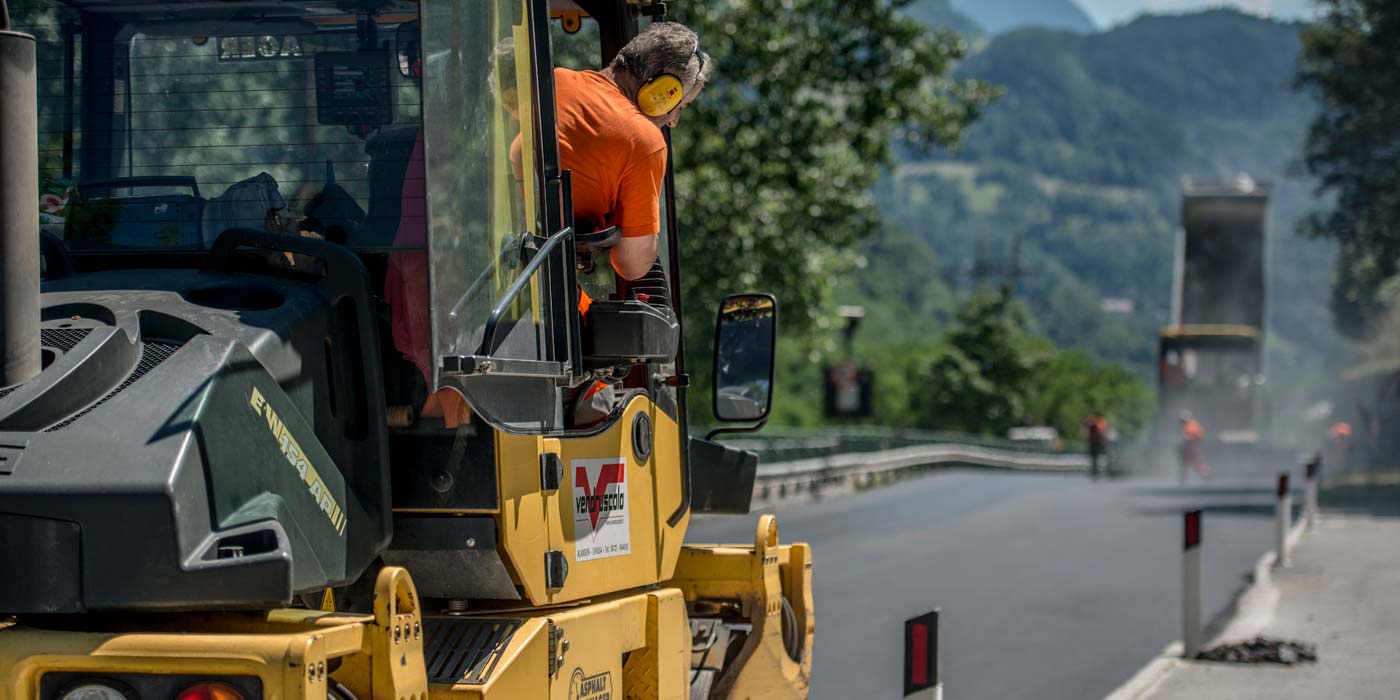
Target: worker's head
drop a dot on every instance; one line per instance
(1185, 416)
(664, 69)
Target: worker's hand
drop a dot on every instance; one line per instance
(632, 257)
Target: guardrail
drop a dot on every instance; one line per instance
(834, 473)
(789, 444)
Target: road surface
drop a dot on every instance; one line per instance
(1051, 586)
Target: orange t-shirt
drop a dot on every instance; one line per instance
(1193, 430)
(617, 156)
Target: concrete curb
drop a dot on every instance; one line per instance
(1251, 609)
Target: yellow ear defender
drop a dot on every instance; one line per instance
(660, 95)
(663, 93)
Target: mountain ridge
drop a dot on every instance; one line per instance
(999, 16)
(1076, 170)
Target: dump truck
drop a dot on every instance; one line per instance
(1210, 359)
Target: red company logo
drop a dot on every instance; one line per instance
(597, 500)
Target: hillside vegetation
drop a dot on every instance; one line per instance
(1081, 159)
(1076, 171)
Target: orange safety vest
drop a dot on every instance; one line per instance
(1192, 430)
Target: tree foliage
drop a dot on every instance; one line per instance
(776, 159)
(977, 379)
(1348, 61)
(991, 373)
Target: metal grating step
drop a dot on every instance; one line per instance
(152, 354)
(464, 650)
(62, 339)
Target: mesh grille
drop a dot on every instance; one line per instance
(64, 339)
(152, 354)
(465, 650)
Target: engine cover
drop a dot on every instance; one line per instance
(196, 440)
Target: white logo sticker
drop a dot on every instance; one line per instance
(600, 508)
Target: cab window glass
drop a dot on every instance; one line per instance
(167, 130)
(482, 175)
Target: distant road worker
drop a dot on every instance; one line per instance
(1193, 454)
(1339, 446)
(1096, 435)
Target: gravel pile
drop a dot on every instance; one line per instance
(1262, 650)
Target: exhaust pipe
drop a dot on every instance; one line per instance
(19, 207)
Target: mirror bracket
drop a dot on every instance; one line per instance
(727, 430)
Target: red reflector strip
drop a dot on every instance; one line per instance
(918, 653)
(921, 653)
(1193, 529)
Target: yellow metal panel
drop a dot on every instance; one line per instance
(289, 651)
(522, 672)
(522, 524)
(1209, 331)
(759, 579)
(532, 521)
(661, 669)
(650, 626)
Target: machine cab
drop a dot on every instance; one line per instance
(418, 136)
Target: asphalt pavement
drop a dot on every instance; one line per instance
(1051, 586)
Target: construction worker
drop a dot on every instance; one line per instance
(1096, 435)
(609, 132)
(1192, 446)
(609, 127)
(1339, 443)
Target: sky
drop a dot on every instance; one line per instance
(1107, 13)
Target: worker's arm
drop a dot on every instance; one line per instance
(638, 214)
(632, 257)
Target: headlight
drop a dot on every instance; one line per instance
(209, 691)
(96, 690)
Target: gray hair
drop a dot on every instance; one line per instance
(665, 47)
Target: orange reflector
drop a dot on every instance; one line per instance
(210, 691)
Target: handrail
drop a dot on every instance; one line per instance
(488, 335)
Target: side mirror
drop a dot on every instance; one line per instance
(745, 339)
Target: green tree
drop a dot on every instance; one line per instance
(977, 380)
(776, 159)
(1348, 61)
(1069, 386)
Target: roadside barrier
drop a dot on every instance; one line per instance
(1283, 511)
(1310, 494)
(1191, 585)
(840, 473)
(923, 678)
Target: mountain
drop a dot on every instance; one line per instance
(939, 14)
(1068, 185)
(998, 16)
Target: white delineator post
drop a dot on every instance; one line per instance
(1310, 494)
(923, 679)
(1191, 586)
(1283, 511)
